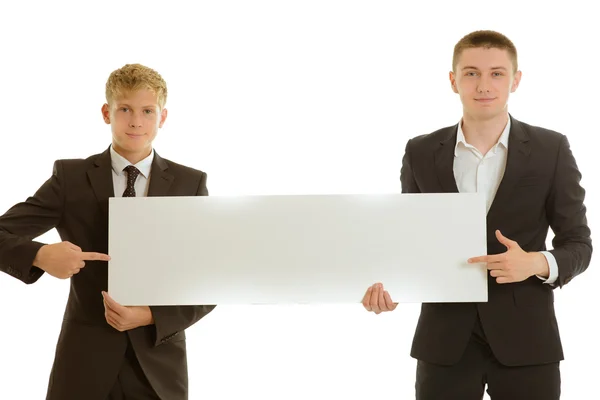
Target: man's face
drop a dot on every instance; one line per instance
(135, 119)
(484, 79)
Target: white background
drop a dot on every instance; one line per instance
(282, 97)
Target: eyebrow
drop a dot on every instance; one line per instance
(471, 67)
(127, 105)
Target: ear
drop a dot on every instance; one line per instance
(516, 81)
(163, 117)
(106, 113)
(452, 78)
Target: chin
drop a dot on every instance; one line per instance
(134, 149)
(140, 149)
(486, 109)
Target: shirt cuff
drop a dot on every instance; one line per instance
(553, 268)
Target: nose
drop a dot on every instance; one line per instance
(483, 85)
(135, 122)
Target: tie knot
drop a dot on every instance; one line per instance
(132, 172)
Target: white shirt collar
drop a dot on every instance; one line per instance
(119, 163)
(503, 140)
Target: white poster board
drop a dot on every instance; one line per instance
(296, 249)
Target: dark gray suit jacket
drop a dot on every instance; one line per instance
(540, 190)
(90, 352)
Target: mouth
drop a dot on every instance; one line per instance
(134, 135)
(485, 100)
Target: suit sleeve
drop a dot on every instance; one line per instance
(26, 221)
(170, 320)
(567, 217)
(407, 178)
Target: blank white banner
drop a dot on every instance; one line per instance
(296, 249)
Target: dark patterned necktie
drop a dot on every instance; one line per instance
(132, 174)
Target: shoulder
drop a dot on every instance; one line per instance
(544, 139)
(77, 164)
(186, 178)
(432, 140)
(180, 169)
(535, 132)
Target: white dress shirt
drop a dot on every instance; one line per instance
(119, 163)
(478, 173)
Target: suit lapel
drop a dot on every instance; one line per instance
(444, 160)
(516, 162)
(101, 180)
(160, 179)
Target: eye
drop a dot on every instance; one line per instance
(149, 111)
(471, 73)
(124, 109)
(498, 74)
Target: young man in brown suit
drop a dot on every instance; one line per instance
(531, 182)
(105, 350)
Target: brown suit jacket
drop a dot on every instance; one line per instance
(89, 352)
(540, 190)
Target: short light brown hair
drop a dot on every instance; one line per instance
(487, 40)
(133, 77)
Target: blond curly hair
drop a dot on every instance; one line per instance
(133, 77)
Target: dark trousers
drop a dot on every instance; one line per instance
(477, 368)
(131, 383)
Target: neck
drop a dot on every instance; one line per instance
(132, 157)
(483, 134)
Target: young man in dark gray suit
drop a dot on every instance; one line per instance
(105, 350)
(531, 182)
